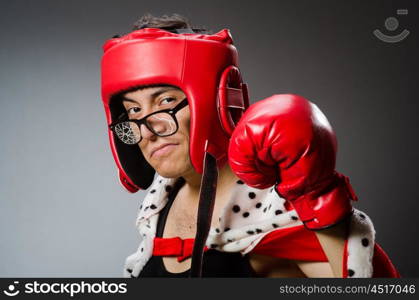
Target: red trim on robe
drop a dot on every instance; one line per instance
(383, 267)
(295, 243)
(345, 260)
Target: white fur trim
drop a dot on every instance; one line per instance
(361, 242)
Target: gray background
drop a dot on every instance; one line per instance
(62, 211)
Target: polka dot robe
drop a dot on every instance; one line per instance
(248, 216)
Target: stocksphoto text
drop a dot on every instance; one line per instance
(73, 288)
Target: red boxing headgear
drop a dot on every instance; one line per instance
(204, 67)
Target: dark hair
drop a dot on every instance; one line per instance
(169, 23)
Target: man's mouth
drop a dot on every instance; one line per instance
(163, 149)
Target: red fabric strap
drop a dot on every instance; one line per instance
(182, 248)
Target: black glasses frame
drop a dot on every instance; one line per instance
(171, 111)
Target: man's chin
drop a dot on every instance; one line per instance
(169, 174)
(169, 171)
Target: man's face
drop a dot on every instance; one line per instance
(172, 160)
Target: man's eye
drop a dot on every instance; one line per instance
(168, 99)
(133, 110)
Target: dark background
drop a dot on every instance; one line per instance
(62, 211)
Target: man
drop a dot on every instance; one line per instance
(177, 106)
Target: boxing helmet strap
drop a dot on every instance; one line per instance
(205, 210)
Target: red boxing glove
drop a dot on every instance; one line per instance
(286, 141)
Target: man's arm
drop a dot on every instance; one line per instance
(332, 241)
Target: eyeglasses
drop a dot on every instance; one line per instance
(161, 123)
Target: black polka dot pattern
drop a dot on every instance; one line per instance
(351, 272)
(217, 230)
(240, 182)
(152, 206)
(294, 218)
(264, 210)
(168, 188)
(278, 212)
(362, 216)
(142, 249)
(252, 195)
(236, 208)
(129, 270)
(226, 229)
(258, 205)
(274, 225)
(258, 230)
(365, 242)
(246, 214)
(250, 232)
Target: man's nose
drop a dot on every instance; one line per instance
(146, 133)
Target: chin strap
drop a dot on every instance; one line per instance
(205, 209)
